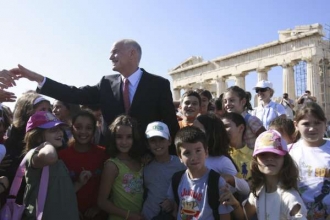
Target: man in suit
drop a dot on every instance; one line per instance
(150, 97)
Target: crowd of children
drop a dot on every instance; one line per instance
(229, 163)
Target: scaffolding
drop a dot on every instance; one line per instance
(300, 78)
(324, 68)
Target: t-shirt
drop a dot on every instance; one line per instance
(277, 205)
(91, 160)
(61, 202)
(157, 179)
(193, 198)
(127, 190)
(243, 158)
(314, 185)
(269, 112)
(221, 164)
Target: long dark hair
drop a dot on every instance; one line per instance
(216, 134)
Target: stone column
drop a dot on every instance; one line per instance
(221, 86)
(176, 94)
(240, 81)
(313, 79)
(289, 85)
(262, 73)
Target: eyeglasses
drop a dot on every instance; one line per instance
(261, 90)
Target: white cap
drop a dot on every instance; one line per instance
(157, 129)
(264, 84)
(2, 152)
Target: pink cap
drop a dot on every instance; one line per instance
(270, 141)
(43, 119)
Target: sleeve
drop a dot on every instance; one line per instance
(226, 166)
(167, 109)
(223, 209)
(242, 186)
(291, 198)
(71, 94)
(280, 110)
(252, 199)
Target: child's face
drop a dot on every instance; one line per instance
(233, 131)
(204, 104)
(232, 103)
(190, 107)
(193, 155)
(311, 129)
(159, 145)
(42, 106)
(124, 138)
(54, 136)
(270, 163)
(83, 130)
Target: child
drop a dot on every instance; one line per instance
(312, 154)
(286, 128)
(206, 97)
(273, 185)
(83, 156)
(190, 106)
(121, 188)
(235, 99)
(43, 131)
(158, 173)
(241, 154)
(218, 158)
(191, 147)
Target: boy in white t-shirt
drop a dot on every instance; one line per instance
(193, 204)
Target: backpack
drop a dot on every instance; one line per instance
(212, 190)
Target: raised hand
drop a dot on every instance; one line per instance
(7, 79)
(6, 96)
(22, 72)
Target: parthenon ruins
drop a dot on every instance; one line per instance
(304, 43)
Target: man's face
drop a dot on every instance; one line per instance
(285, 96)
(120, 56)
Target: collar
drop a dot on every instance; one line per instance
(134, 78)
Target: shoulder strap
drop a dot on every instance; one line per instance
(42, 194)
(43, 186)
(176, 178)
(213, 193)
(15, 185)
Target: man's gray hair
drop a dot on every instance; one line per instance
(135, 45)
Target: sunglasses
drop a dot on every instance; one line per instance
(261, 90)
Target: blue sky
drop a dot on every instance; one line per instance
(70, 41)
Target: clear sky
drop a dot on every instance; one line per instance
(70, 41)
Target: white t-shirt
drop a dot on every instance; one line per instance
(314, 171)
(277, 205)
(193, 198)
(221, 164)
(269, 112)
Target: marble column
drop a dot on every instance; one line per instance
(262, 73)
(240, 81)
(289, 85)
(176, 94)
(313, 79)
(221, 86)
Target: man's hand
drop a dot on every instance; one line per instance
(22, 72)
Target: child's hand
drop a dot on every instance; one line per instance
(84, 176)
(166, 205)
(92, 212)
(227, 198)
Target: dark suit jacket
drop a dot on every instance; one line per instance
(152, 100)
